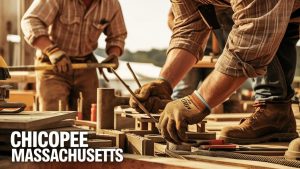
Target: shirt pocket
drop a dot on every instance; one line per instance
(96, 30)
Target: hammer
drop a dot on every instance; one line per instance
(51, 67)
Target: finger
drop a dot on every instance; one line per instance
(132, 102)
(144, 93)
(70, 69)
(164, 131)
(55, 70)
(181, 127)
(64, 68)
(104, 76)
(59, 68)
(171, 127)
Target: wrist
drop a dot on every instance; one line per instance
(165, 83)
(54, 53)
(200, 102)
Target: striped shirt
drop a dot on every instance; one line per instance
(73, 27)
(259, 26)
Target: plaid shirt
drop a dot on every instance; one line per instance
(74, 28)
(259, 26)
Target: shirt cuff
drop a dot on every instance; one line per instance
(33, 36)
(190, 46)
(232, 65)
(115, 44)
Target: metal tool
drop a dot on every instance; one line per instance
(134, 76)
(141, 106)
(50, 67)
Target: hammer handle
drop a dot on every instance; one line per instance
(50, 67)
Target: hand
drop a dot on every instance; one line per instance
(154, 96)
(178, 114)
(113, 59)
(61, 62)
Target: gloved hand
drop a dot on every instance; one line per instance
(111, 59)
(59, 59)
(178, 114)
(154, 96)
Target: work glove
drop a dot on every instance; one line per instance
(57, 57)
(110, 59)
(178, 114)
(113, 59)
(154, 96)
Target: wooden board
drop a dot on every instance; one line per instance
(33, 120)
(227, 117)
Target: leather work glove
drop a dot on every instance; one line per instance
(61, 62)
(154, 96)
(110, 59)
(178, 114)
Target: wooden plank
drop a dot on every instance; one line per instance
(227, 117)
(86, 123)
(139, 145)
(33, 120)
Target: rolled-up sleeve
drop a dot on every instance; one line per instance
(255, 37)
(189, 32)
(37, 18)
(116, 31)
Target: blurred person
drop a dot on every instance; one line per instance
(66, 32)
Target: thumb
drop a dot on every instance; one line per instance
(144, 94)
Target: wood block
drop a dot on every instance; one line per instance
(152, 127)
(139, 145)
(119, 135)
(33, 120)
(123, 122)
(141, 125)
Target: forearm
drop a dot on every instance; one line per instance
(42, 43)
(217, 87)
(178, 63)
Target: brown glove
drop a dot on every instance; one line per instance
(178, 114)
(111, 59)
(154, 96)
(58, 58)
